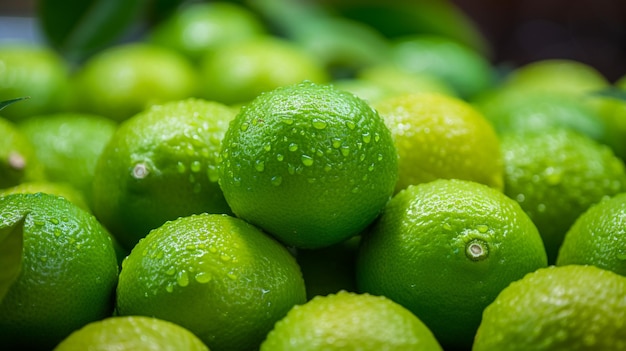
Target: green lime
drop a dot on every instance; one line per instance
(239, 72)
(350, 322)
(216, 275)
(131, 333)
(569, 308)
(65, 190)
(556, 175)
(159, 165)
(123, 80)
(36, 71)
(18, 159)
(68, 145)
(440, 136)
(597, 237)
(308, 163)
(467, 71)
(197, 28)
(67, 270)
(444, 250)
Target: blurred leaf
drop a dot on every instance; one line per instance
(158, 10)
(6, 103)
(78, 28)
(613, 93)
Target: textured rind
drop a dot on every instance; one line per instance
(568, 308)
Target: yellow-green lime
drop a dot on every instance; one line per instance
(194, 29)
(239, 72)
(597, 237)
(67, 270)
(556, 175)
(18, 159)
(159, 165)
(444, 250)
(440, 136)
(125, 79)
(131, 333)
(348, 321)
(69, 145)
(308, 163)
(32, 70)
(216, 275)
(569, 308)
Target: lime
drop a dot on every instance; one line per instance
(309, 164)
(65, 190)
(159, 165)
(216, 275)
(444, 250)
(131, 333)
(68, 145)
(597, 237)
(613, 112)
(440, 136)
(68, 270)
(237, 73)
(18, 159)
(197, 28)
(569, 308)
(123, 80)
(519, 111)
(350, 322)
(466, 70)
(556, 175)
(36, 71)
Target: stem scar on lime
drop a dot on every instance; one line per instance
(477, 250)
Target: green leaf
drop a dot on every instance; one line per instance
(79, 28)
(11, 244)
(6, 103)
(613, 93)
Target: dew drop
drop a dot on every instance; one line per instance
(57, 232)
(196, 166)
(180, 167)
(345, 150)
(306, 160)
(280, 157)
(39, 223)
(367, 137)
(203, 277)
(267, 147)
(292, 147)
(288, 121)
(232, 276)
(350, 125)
(362, 157)
(482, 228)
(336, 142)
(244, 126)
(259, 166)
(169, 288)
(225, 258)
(183, 279)
(371, 167)
(319, 124)
(380, 157)
(276, 180)
(170, 271)
(376, 137)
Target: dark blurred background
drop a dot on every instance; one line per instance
(520, 31)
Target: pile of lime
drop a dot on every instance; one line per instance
(245, 176)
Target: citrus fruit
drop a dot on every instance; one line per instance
(329, 269)
(131, 333)
(556, 75)
(466, 70)
(555, 175)
(309, 164)
(159, 165)
(36, 71)
(597, 237)
(444, 250)
(197, 28)
(401, 81)
(67, 270)
(519, 111)
(350, 321)
(125, 79)
(573, 308)
(216, 275)
(18, 159)
(440, 136)
(612, 110)
(68, 145)
(237, 73)
(49, 187)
